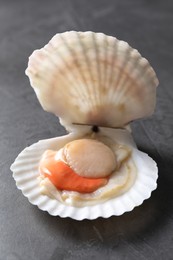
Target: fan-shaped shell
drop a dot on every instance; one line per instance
(91, 78)
(25, 173)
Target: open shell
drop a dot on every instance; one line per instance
(25, 173)
(92, 79)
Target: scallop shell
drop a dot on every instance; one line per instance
(91, 78)
(25, 173)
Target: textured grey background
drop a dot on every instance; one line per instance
(26, 233)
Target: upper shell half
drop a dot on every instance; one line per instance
(92, 78)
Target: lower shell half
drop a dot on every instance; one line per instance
(26, 174)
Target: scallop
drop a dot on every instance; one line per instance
(90, 158)
(96, 85)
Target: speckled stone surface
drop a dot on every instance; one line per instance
(26, 233)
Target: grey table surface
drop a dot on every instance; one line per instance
(25, 231)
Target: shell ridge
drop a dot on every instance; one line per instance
(97, 91)
(101, 61)
(79, 72)
(71, 50)
(130, 82)
(76, 70)
(105, 58)
(110, 80)
(65, 80)
(123, 63)
(105, 86)
(87, 64)
(119, 83)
